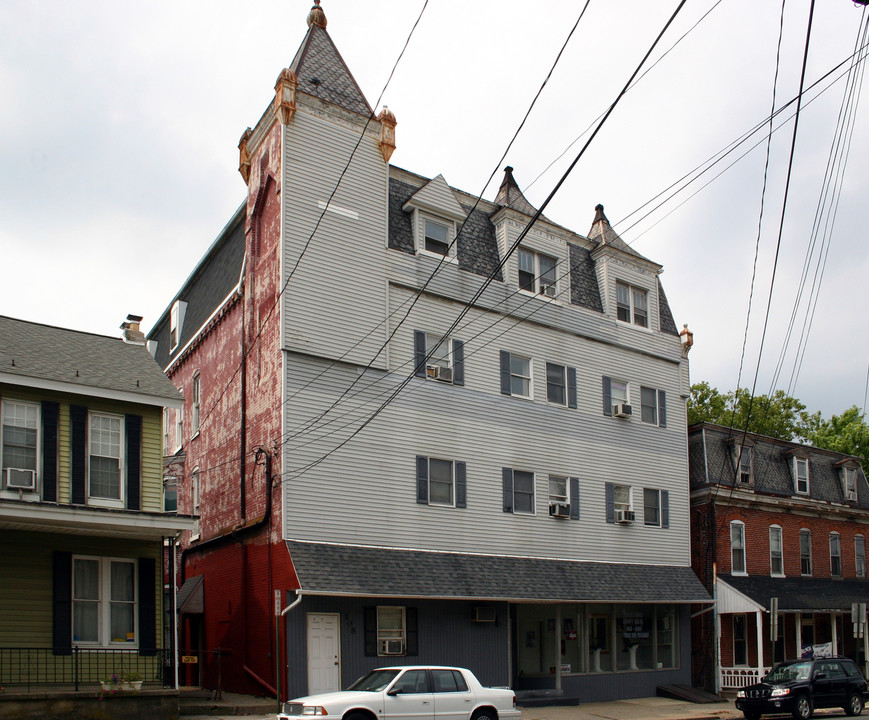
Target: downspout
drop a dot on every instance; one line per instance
(243, 425)
(277, 643)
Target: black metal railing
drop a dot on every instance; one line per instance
(30, 667)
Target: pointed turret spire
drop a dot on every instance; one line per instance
(509, 194)
(602, 232)
(317, 16)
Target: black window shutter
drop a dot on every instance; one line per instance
(370, 622)
(665, 508)
(505, 373)
(574, 498)
(507, 477)
(607, 396)
(422, 479)
(62, 603)
(419, 353)
(461, 485)
(458, 362)
(571, 387)
(133, 431)
(50, 414)
(610, 503)
(412, 626)
(147, 607)
(78, 418)
(662, 408)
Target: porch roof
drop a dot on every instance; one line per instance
(800, 594)
(351, 570)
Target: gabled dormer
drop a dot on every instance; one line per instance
(848, 473)
(799, 463)
(436, 216)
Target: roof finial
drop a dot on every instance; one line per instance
(317, 16)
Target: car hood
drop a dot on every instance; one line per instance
(343, 697)
(771, 685)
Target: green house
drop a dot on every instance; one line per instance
(83, 525)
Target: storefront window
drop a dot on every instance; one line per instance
(666, 636)
(634, 648)
(600, 654)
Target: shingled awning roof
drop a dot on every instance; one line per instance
(352, 570)
(800, 594)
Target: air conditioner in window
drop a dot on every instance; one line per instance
(391, 647)
(548, 290)
(622, 410)
(625, 517)
(17, 479)
(438, 372)
(559, 510)
(484, 614)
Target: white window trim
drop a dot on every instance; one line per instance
(195, 498)
(860, 572)
(849, 477)
(807, 533)
(105, 567)
(419, 236)
(530, 376)
(537, 286)
(165, 431)
(533, 493)
(796, 465)
(657, 422)
(434, 503)
(179, 428)
(546, 365)
(93, 500)
(657, 492)
(15, 494)
(384, 634)
(739, 449)
(195, 403)
(744, 571)
(838, 538)
(630, 323)
(781, 546)
(176, 323)
(620, 505)
(559, 498)
(433, 340)
(617, 401)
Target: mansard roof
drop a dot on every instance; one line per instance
(711, 461)
(322, 72)
(46, 356)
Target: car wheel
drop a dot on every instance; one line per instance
(749, 715)
(802, 708)
(855, 704)
(485, 714)
(357, 716)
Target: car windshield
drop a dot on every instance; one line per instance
(789, 671)
(375, 681)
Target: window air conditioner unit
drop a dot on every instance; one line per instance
(391, 647)
(484, 614)
(559, 510)
(17, 479)
(622, 410)
(444, 374)
(548, 290)
(625, 517)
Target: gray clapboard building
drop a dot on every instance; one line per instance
(482, 426)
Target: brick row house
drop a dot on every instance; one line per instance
(775, 522)
(413, 463)
(82, 516)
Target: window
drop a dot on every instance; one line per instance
(445, 680)
(165, 431)
(179, 429)
(518, 491)
(439, 358)
(860, 556)
(801, 475)
(194, 500)
(170, 495)
(436, 237)
(440, 482)
(20, 433)
(412, 682)
(391, 631)
(632, 304)
(616, 397)
(558, 489)
(515, 375)
(651, 507)
(654, 406)
(849, 483)
(737, 548)
(556, 384)
(744, 474)
(805, 552)
(776, 563)
(103, 601)
(105, 460)
(176, 322)
(195, 399)
(622, 498)
(537, 272)
(835, 555)
(740, 646)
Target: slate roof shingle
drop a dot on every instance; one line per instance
(802, 593)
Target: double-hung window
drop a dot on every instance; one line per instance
(651, 507)
(776, 562)
(537, 273)
(195, 490)
(618, 503)
(561, 384)
(564, 497)
(632, 304)
(179, 428)
(195, 403)
(835, 555)
(860, 556)
(176, 323)
(439, 358)
(805, 552)
(437, 237)
(170, 495)
(19, 448)
(103, 601)
(737, 547)
(518, 491)
(515, 375)
(654, 406)
(105, 460)
(743, 461)
(391, 630)
(801, 475)
(616, 398)
(849, 483)
(165, 431)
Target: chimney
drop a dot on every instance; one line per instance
(131, 333)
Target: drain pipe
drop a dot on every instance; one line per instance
(278, 644)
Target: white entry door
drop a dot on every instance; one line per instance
(324, 662)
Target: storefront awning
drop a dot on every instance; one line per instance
(351, 570)
(800, 594)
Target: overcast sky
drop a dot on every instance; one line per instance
(119, 125)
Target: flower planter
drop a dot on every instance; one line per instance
(131, 685)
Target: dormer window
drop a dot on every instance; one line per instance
(744, 467)
(801, 475)
(437, 238)
(176, 322)
(632, 304)
(537, 273)
(849, 483)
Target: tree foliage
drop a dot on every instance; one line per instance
(845, 433)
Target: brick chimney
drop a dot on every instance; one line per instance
(131, 333)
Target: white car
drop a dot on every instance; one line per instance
(409, 692)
